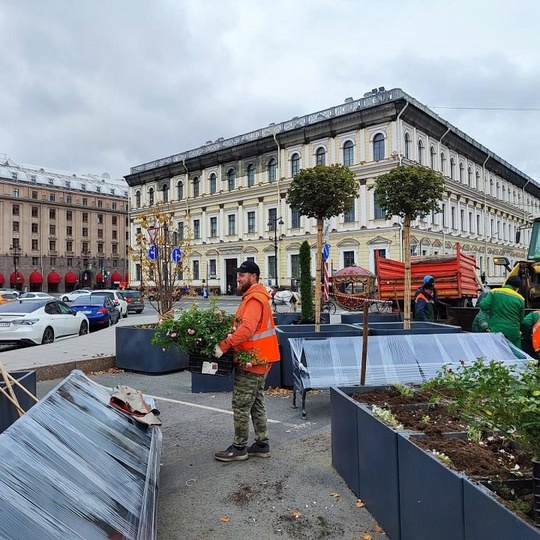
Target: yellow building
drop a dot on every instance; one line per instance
(231, 192)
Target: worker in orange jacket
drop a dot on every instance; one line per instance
(255, 334)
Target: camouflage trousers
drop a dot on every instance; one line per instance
(248, 402)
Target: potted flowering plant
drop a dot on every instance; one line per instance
(197, 331)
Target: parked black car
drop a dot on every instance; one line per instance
(134, 301)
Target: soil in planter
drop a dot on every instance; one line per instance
(433, 420)
(391, 396)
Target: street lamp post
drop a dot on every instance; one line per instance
(273, 223)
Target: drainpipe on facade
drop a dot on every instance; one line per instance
(486, 269)
(400, 133)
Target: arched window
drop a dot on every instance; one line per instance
(432, 157)
(295, 164)
(378, 147)
(477, 180)
(469, 176)
(407, 146)
(231, 175)
(348, 153)
(196, 187)
(165, 193)
(461, 172)
(251, 175)
(137, 199)
(272, 170)
(151, 196)
(420, 152)
(452, 168)
(213, 183)
(443, 163)
(180, 190)
(320, 156)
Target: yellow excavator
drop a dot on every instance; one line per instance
(529, 270)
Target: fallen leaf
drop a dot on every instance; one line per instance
(296, 513)
(360, 503)
(366, 537)
(336, 496)
(225, 519)
(378, 529)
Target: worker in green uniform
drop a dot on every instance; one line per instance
(506, 309)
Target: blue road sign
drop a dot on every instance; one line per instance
(326, 251)
(153, 253)
(176, 255)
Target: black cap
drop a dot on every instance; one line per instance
(249, 267)
(513, 281)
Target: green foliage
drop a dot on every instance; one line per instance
(323, 191)
(195, 330)
(403, 389)
(386, 416)
(306, 291)
(492, 396)
(409, 190)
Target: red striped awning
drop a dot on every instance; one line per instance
(35, 277)
(54, 278)
(116, 277)
(70, 277)
(16, 277)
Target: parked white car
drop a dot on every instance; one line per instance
(35, 295)
(39, 321)
(117, 298)
(69, 297)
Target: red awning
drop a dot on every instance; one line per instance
(99, 277)
(116, 277)
(16, 278)
(70, 277)
(54, 278)
(2, 279)
(35, 277)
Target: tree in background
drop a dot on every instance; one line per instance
(306, 291)
(157, 249)
(410, 192)
(322, 192)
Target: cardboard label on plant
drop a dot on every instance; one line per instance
(210, 368)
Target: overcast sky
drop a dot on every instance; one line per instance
(93, 86)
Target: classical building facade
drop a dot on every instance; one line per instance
(60, 230)
(231, 192)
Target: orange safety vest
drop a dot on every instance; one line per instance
(536, 334)
(264, 339)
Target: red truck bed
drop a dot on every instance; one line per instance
(455, 275)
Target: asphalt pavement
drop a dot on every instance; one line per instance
(295, 494)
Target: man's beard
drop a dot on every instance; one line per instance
(244, 287)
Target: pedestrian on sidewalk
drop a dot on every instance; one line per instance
(255, 330)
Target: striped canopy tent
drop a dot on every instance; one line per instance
(54, 278)
(35, 278)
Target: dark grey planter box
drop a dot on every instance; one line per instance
(478, 504)
(135, 352)
(430, 496)
(417, 327)
(350, 318)
(306, 331)
(8, 412)
(286, 318)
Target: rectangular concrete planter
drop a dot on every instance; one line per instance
(8, 412)
(306, 331)
(135, 352)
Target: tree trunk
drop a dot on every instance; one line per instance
(318, 265)
(407, 284)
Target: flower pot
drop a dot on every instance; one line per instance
(135, 352)
(8, 412)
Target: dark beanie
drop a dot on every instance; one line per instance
(513, 281)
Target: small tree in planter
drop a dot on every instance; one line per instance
(163, 257)
(306, 291)
(409, 191)
(322, 192)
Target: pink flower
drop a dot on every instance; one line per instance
(190, 331)
(174, 334)
(249, 364)
(229, 335)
